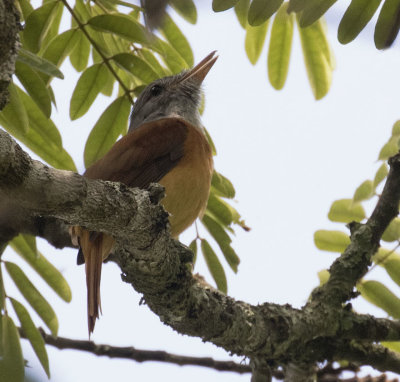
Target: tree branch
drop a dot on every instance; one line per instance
(9, 36)
(354, 262)
(140, 355)
(159, 267)
(14, 220)
(373, 355)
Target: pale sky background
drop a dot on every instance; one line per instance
(288, 157)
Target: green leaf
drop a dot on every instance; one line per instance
(109, 5)
(54, 27)
(280, 47)
(314, 10)
(214, 266)
(220, 209)
(317, 58)
(380, 174)
(261, 10)
(396, 129)
(108, 86)
(12, 363)
(86, 90)
(356, 17)
(389, 149)
(254, 42)
(39, 122)
(23, 246)
(25, 7)
(383, 254)
(60, 47)
(193, 248)
(1, 341)
(241, 10)
(323, 276)
(364, 191)
(153, 62)
(38, 63)
(177, 39)
(169, 55)
(332, 241)
(115, 44)
(379, 295)
(136, 66)
(222, 186)
(346, 211)
(203, 106)
(2, 298)
(392, 345)
(38, 24)
(297, 5)
(33, 296)
(83, 10)
(79, 56)
(388, 24)
(223, 240)
(211, 142)
(33, 334)
(223, 5)
(48, 151)
(392, 232)
(392, 267)
(122, 25)
(110, 125)
(15, 111)
(35, 86)
(129, 81)
(186, 8)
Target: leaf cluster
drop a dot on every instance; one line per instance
(255, 15)
(116, 56)
(349, 210)
(12, 363)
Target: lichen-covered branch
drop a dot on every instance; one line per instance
(354, 262)
(159, 267)
(13, 221)
(373, 355)
(9, 43)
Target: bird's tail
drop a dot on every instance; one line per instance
(95, 247)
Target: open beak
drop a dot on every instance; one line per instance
(199, 72)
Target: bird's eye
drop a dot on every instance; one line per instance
(155, 90)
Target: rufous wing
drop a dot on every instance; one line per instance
(141, 157)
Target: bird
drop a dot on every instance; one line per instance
(166, 143)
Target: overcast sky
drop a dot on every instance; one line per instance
(288, 156)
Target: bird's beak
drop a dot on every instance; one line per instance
(199, 72)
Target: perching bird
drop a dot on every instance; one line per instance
(166, 143)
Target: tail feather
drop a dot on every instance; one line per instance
(94, 250)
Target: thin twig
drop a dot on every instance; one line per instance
(99, 51)
(140, 355)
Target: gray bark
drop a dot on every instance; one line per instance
(9, 28)
(159, 267)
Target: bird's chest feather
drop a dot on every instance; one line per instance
(187, 185)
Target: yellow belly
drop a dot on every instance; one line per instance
(187, 185)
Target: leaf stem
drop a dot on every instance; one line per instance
(99, 51)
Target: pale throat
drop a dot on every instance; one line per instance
(192, 116)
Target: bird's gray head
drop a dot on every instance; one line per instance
(173, 95)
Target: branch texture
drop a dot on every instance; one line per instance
(9, 43)
(159, 267)
(140, 355)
